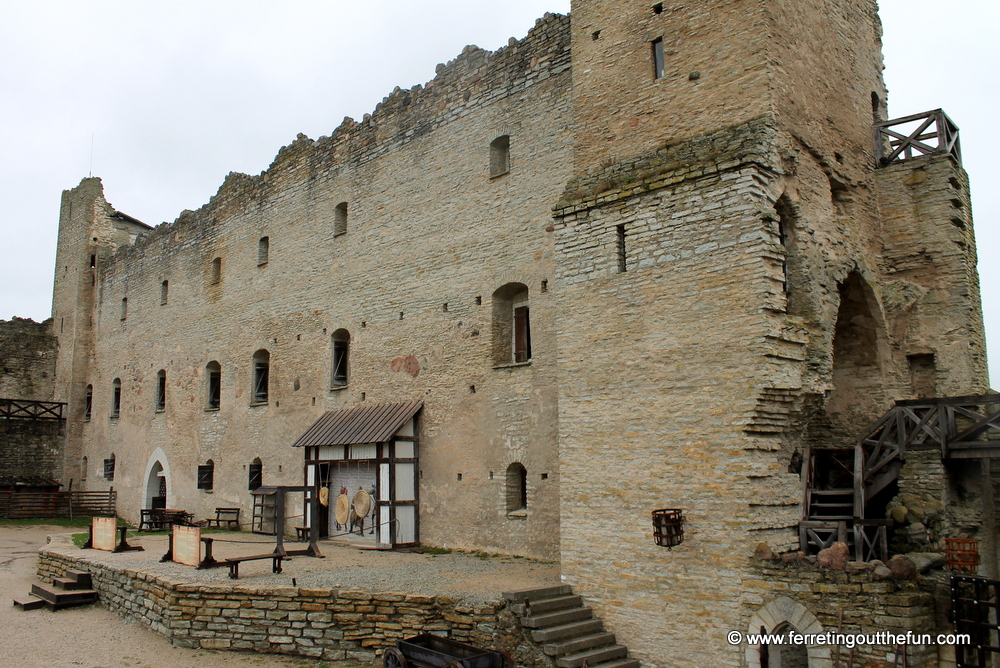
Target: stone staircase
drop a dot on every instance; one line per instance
(567, 629)
(75, 589)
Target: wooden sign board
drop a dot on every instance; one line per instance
(187, 545)
(104, 533)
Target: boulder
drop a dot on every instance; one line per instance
(763, 552)
(834, 557)
(902, 567)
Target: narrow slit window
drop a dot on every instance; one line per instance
(522, 334)
(341, 340)
(116, 398)
(124, 313)
(214, 372)
(340, 219)
(161, 390)
(84, 465)
(88, 405)
(263, 250)
(109, 468)
(164, 289)
(658, 58)
(622, 257)
(216, 270)
(500, 156)
(261, 373)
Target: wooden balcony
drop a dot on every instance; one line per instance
(929, 133)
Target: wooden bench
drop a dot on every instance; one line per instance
(302, 534)
(228, 516)
(234, 563)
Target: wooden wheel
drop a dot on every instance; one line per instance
(452, 664)
(393, 658)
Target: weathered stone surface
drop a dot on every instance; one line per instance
(834, 557)
(763, 552)
(902, 567)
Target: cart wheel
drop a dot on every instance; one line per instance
(393, 658)
(452, 664)
(508, 662)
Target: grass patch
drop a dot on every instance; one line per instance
(79, 539)
(435, 550)
(51, 521)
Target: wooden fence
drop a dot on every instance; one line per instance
(21, 505)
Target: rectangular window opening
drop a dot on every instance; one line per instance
(658, 58)
(214, 389)
(522, 334)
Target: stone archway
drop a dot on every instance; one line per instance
(158, 485)
(780, 616)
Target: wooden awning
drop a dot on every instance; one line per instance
(362, 424)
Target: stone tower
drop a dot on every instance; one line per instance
(89, 231)
(727, 296)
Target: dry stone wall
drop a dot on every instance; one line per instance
(326, 624)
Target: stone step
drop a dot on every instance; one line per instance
(29, 602)
(63, 599)
(618, 663)
(81, 577)
(538, 592)
(593, 656)
(556, 618)
(69, 584)
(578, 644)
(532, 606)
(564, 631)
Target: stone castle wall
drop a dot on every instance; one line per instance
(430, 236)
(27, 359)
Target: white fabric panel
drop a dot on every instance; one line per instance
(383, 526)
(406, 527)
(404, 449)
(331, 452)
(363, 451)
(406, 429)
(404, 482)
(383, 482)
(311, 476)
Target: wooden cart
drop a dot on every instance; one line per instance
(430, 651)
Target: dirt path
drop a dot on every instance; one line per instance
(92, 637)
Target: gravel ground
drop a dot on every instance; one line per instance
(93, 637)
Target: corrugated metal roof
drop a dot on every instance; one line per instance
(361, 424)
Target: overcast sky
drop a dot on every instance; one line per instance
(174, 95)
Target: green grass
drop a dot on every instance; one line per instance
(51, 521)
(435, 550)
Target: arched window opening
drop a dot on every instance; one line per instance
(84, 465)
(500, 156)
(263, 249)
(261, 373)
(517, 488)
(161, 390)
(216, 270)
(116, 397)
(256, 474)
(164, 288)
(213, 372)
(124, 313)
(88, 404)
(206, 475)
(786, 654)
(340, 219)
(340, 341)
(786, 236)
(511, 324)
(854, 339)
(109, 467)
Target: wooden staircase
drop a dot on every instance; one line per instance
(74, 590)
(958, 427)
(567, 629)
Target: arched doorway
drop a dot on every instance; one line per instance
(157, 490)
(156, 487)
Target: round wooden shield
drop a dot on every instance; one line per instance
(343, 510)
(324, 496)
(362, 503)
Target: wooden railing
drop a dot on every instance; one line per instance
(24, 409)
(20, 505)
(933, 133)
(959, 427)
